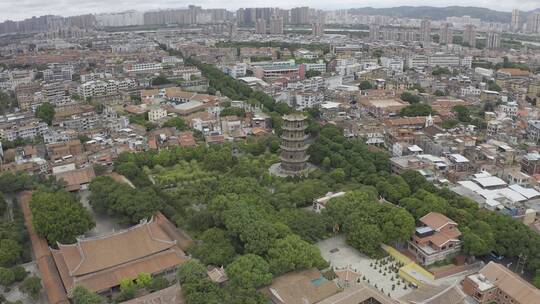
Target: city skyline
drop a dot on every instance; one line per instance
(19, 10)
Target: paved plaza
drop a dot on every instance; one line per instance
(341, 255)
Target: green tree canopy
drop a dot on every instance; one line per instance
(309, 225)
(249, 271)
(191, 271)
(439, 93)
(7, 277)
(3, 204)
(417, 109)
(441, 71)
(10, 252)
(365, 85)
(409, 97)
(216, 248)
(462, 113)
(160, 80)
(32, 287)
(59, 217)
(176, 122)
(367, 238)
(45, 112)
(81, 295)
(292, 253)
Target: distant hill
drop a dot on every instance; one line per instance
(438, 13)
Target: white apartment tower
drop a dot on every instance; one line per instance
(469, 35)
(276, 25)
(533, 23)
(446, 34)
(425, 32)
(260, 26)
(493, 40)
(514, 25)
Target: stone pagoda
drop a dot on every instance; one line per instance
(294, 145)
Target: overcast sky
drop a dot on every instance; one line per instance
(20, 9)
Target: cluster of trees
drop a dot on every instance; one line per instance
(144, 281)
(509, 64)
(176, 122)
(3, 205)
(450, 123)
(7, 102)
(365, 85)
(19, 142)
(83, 295)
(121, 201)
(245, 274)
(313, 73)
(229, 111)
(9, 276)
(439, 93)
(45, 112)
(160, 80)
(15, 182)
(142, 119)
(349, 160)
(493, 86)
(440, 71)
(59, 217)
(32, 287)
(14, 242)
(417, 109)
(260, 58)
(368, 223)
(462, 113)
(410, 97)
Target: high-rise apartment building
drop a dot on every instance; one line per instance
(446, 34)
(425, 32)
(514, 25)
(493, 40)
(374, 32)
(246, 16)
(317, 26)
(300, 15)
(317, 29)
(533, 23)
(260, 26)
(469, 35)
(276, 25)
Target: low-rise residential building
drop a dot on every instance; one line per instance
(436, 239)
(237, 70)
(156, 113)
(26, 129)
(105, 88)
(273, 70)
(533, 131)
(497, 284)
(143, 67)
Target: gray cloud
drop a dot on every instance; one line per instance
(20, 9)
